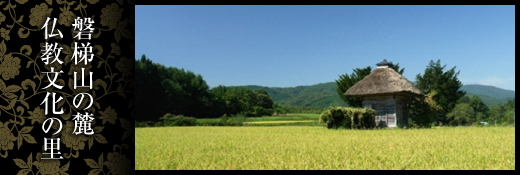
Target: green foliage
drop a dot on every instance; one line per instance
(187, 93)
(398, 69)
(161, 90)
(423, 111)
(305, 109)
(236, 120)
(464, 99)
(462, 114)
(144, 124)
(179, 120)
(445, 83)
(503, 114)
(490, 101)
(480, 111)
(279, 110)
(478, 106)
(346, 81)
(235, 100)
(348, 118)
(150, 96)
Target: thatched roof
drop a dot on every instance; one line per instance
(383, 80)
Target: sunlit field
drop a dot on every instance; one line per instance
(302, 147)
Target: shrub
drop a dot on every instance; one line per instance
(323, 117)
(179, 120)
(144, 124)
(236, 120)
(349, 118)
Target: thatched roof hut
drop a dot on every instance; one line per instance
(383, 80)
(387, 92)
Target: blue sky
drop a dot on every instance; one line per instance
(287, 46)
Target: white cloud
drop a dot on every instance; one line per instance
(493, 81)
(507, 83)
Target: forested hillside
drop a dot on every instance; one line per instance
(324, 94)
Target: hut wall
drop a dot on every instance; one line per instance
(385, 107)
(403, 101)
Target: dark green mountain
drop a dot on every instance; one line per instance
(490, 95)
(324, 94)
(491, 91)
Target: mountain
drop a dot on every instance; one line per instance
(490, 95)
(491, 91)
(324, 94)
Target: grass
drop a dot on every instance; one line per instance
(288, 117)
(293, 119)
(299, 147)
(300, 121)
(284, 123)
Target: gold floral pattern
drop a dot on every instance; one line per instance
(66, 18)
(39, 15)
(118, 164)
(38, 115)
(22, 1)
(47, 166)
(5, 34)
(92, 1)
(9, 67)
(22, 78)
(115, 49)
(109, 115)
(125, 66)
(6, 137)
(2, 18)
(44, 166)
(76, 142)
(111, 15)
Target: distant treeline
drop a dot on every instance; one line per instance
(471, 111)
(161, 90)
(303, 109)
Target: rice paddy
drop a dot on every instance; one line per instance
(305, 147)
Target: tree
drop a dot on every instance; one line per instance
(188, 93)
(462, 114)
(150, 100)
(235, 100)
(481, 109)
(279, 110)
(423, 110)
(398, 69)
(503, 114)
(445, 83)
(464, 99)
(262, 102)
(161, 90)
(346, 81)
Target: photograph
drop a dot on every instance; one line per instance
(324, 87)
